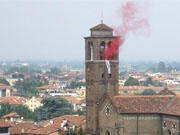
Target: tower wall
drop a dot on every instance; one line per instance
(98, 79)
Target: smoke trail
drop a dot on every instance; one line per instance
(131, 23)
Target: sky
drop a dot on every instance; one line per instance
(55, 29)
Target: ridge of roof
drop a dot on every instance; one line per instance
(170, 101)
(164, 104)
(102, 26)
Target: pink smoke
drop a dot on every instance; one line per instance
(131, 23)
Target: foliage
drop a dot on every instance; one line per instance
(74, 132)
(22, 69)
(149, 81)
(75, 85)
(131, 82)
(4, 81)
(53, 107)
(161, 67)
(148, 92)
(26, 88)
(19, 109)
(123, 73)
(54, 70)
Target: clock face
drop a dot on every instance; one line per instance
(108, 111)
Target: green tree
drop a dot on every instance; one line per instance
(124, 73)
(148, 81)
(53, 107)
(161, 67)
(19, 109)
(26, 88)
(169, 69)
(131, 82)
(81, 132)
(5, 109)
(148, 92)
(54, 70)
(4, 81)
(75, 85)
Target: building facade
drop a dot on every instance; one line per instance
(108, 113)
(99, 78)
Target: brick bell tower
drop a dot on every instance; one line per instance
(101, 75)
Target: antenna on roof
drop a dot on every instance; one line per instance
(101, 21)
(102, 16)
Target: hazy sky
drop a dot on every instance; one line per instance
(54, 29)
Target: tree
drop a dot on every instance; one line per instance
(6, 108)
(161, 67)
(75, 85)
(123, 73)
(54, 70)
(148, 92)
(4, 81)
(26, 88)
(169, 69)
(81, 132)
(131, 82)
(148, 81)
(53, 107)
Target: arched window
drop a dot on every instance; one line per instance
(169, 132)
(102, 48)
(107, 132)
(90, 48)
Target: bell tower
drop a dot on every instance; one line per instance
(101, 75)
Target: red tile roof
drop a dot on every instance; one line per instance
(159, 104)
(74, 100)
(9, 115)
(173, 108)
(5, 124)
(47, 87)
(13, 100)
(141, 104)
(23, 128)
(48, 128)
(3, 86)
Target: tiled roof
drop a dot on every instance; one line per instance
(129, 88)
(9, 115)
(74, 100)
(159, 104)
(173, 108)
(48, 128)
(21, 128)
(47, 87)
(3, 86)
(141, 104)
(5, 123)
(13, 100)
(102, 27)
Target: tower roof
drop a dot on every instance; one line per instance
(102, 27)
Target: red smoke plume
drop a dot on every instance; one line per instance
(131, 22)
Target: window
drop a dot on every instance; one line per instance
(108, 111)
(174, 126)
(164, 124)
(107, 132)
(169, 132)
(102, 48)
(102, 75)
(110, 75)
(90, 50)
